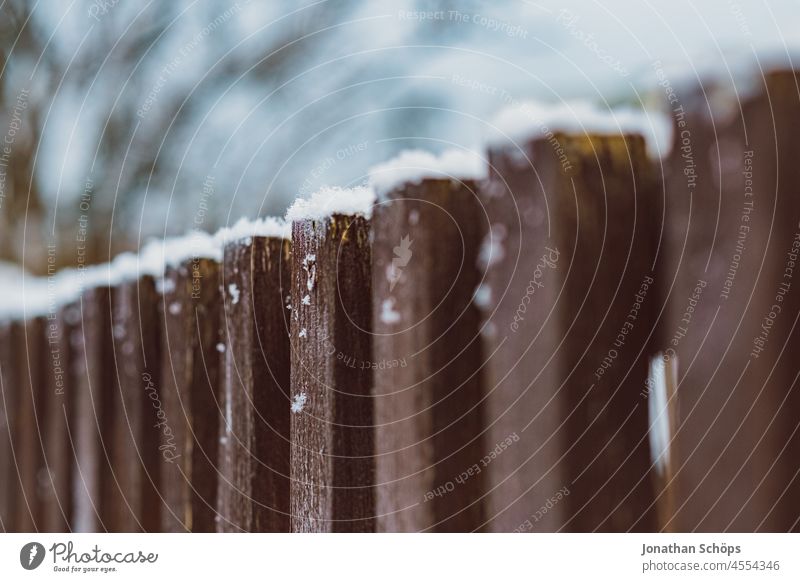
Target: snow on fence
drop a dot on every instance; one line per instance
(565, 333)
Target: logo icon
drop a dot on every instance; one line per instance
(402, 255)
(31, 555)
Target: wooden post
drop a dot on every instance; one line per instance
(92, 371)
(332, 448)
(570, 302)
(135, 456)
(58, 425)
(734, 237)
(10, 491)
(428, 358)
(254, 430)
(190, 379)
(25, 424)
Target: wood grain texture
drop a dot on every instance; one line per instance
(428, 359)
(58, 424)
(25, 425)
(10, 490)
(135, 458)
(254, 430)
(92, 371)
(571, 306)
(734, 217)
(332, 443)
(190, 381)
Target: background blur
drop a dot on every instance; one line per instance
(122, 120)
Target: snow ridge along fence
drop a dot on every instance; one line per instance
(581, 328)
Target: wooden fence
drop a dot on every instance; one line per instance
(587, 338)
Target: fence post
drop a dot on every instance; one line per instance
(58, 425)
(332, 447)
(428, 353)
(733, 312)
(92, 369)
(135, 456)
(27, 337)
(190, 379)
(254, 431)
(10, 492)
(570, 303)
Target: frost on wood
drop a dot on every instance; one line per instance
(328, 201)
(298, 402)
(526, 121)
(413, 166)
(332, 440)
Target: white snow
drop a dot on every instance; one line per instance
(299, 402)
(233, 290)
(389, 315)
(492, 250)
(333, 200)
(529, 120)
(658, 412)
(245, 229)
(483, 296)
(413, 166)
(221, 348)
(303, 333)
(174, 308)
(306, 300)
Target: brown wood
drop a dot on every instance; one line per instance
(332, 448)
(135, 457)
(59, 398)
(27, 341)
(10, 491)
(570, 254)
(190, 377)
(254, 426)
(428, 359)
(734, 216)
(92, 370)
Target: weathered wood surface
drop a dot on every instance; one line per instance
(25, 423)
(92, 371)
(428, 358)
(734, 219)
(190, 378)
(10, 491)
(254, 430)
(57, 427)
(332, 443)
(570, 306)
(135, 457)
